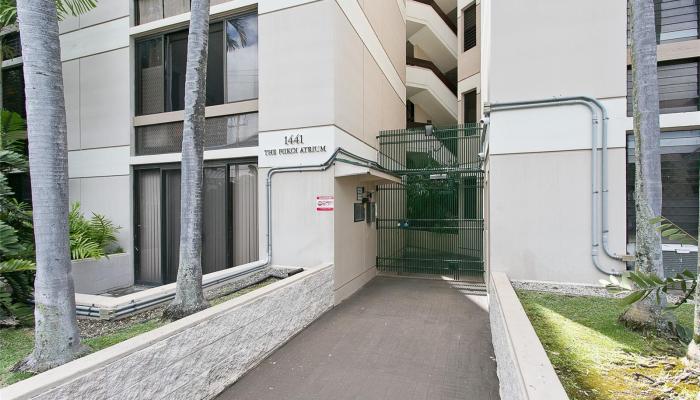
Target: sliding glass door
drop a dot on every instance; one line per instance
(230, 219)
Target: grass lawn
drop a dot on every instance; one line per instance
(15, 344)
(598, 358)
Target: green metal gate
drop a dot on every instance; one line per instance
(432, 223)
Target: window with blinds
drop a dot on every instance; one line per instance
(470, 27)
(676, 20)
(680, 159)
(229, 220)
(240, 130)
(678, 87)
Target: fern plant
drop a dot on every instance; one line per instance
(15, 284)
(90, 238)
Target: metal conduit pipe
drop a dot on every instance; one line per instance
(591, 104)
(92, 311)
(360, 161)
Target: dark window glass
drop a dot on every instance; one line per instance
(678, 87)
(229, 221)
(470, 107)
(175, 71)
(470, 27)
(242, 58)
(215, 66)
(162, 64)
(13, 90)
(680, 160)
(676, 20)
(11, 46)
(149, 77)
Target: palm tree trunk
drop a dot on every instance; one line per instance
(57, 339)
(189, 295)
(645, 99)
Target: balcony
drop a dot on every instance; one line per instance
(429, 28)
(429, 88)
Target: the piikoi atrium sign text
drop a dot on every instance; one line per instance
(294, 144)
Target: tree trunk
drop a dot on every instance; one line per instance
(57, 339)
(647, 185)
(189, 295)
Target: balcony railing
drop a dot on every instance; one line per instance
(417, 62)
(441, 13)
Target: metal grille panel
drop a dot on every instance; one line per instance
(432, 223)
(221, 132)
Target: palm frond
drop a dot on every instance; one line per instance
(64, 8)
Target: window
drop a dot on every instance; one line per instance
(12, 47)
(680, 158)
(161, 66)
(239, 130)
(470, 27)
(229, 220)
(470, 107)
(676, 20)
(153, 10)
(13, 90)
(678, 87)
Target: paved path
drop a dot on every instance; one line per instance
(397, 338)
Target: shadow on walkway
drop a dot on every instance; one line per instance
(397, 338)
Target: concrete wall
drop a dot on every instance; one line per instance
(540, 219)
(365, 100)
(196, 357)
(355, 242)
(341, 82)
(524, 371)
(560, 48)
(91, 276)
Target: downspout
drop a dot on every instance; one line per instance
(589, 103)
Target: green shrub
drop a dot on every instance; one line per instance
(91, 238)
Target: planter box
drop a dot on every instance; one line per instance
(95, 276)
(524, 370)
(194, 358)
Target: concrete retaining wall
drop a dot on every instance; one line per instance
(193, 358)
(95, 276)
(524, 371)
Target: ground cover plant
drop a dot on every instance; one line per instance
(596, 357)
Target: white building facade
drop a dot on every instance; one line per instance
(291, 81)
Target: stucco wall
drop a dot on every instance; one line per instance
(96, 276)
(524, 371)
(560, 48)
(540, 215)
(193, 358)
(355, 242)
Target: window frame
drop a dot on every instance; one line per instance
(163, 168)
(163, 36)
(469, 9)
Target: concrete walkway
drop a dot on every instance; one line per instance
(397, 338)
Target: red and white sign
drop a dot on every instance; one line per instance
(325, 203)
